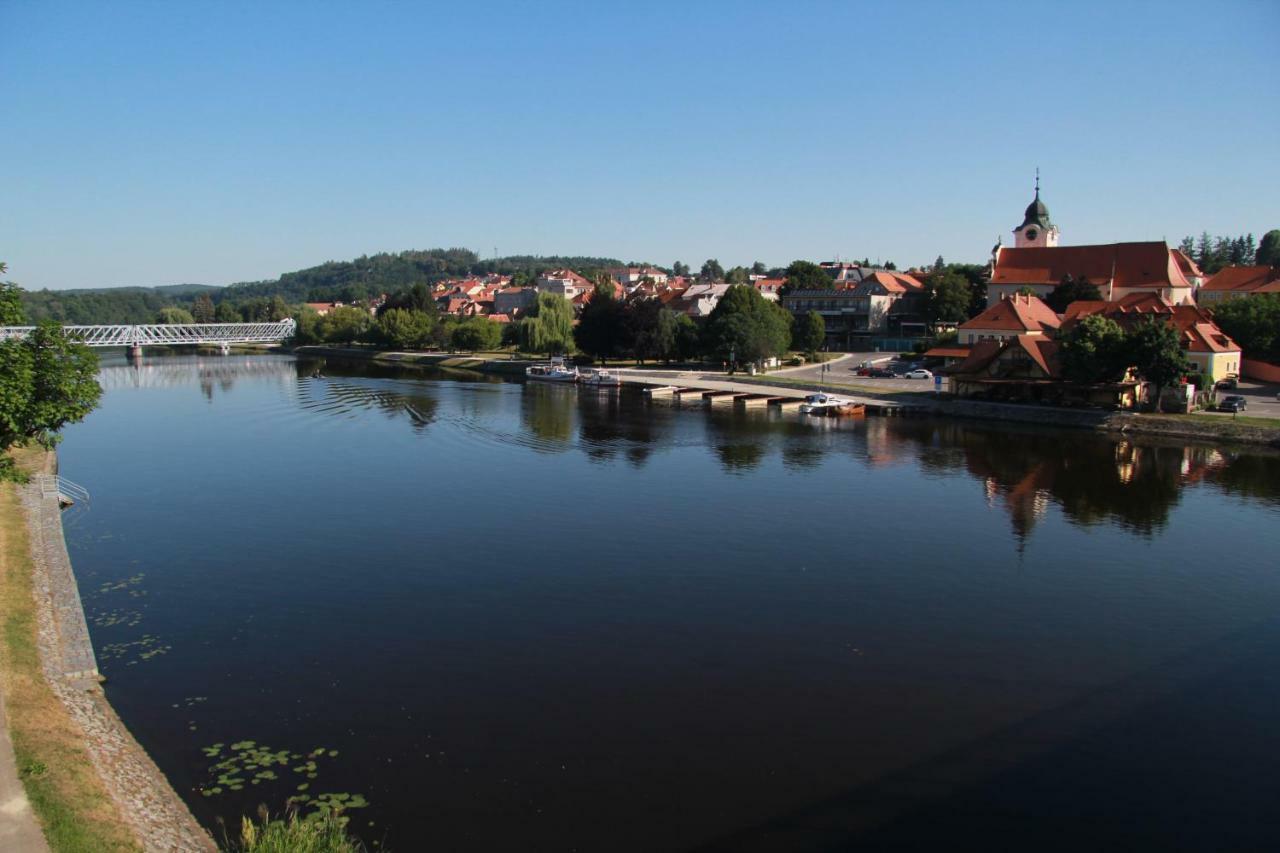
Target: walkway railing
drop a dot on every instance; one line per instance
(64, 489)
(169, 334)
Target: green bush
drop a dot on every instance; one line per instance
(322, 832)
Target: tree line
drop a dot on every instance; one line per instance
(1212, 254)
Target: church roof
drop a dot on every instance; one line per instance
(1151, 265)
(1036, 213)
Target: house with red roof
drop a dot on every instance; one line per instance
(629, 277)
(1027, 368)
(1231, 282)
(1014, 315)
(1215, 355)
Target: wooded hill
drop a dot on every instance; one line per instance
(332, 281)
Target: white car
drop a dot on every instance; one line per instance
(918, 374)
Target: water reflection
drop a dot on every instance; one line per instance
(1023, 472)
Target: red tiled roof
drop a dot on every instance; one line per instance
(1041, 350)
(1018, 313)
(894, 282)
(948, 352)
(1262, 279)
(1151, 264)
(1199, 332)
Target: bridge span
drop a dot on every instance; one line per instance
(169, 334)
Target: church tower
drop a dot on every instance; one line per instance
(1036, 229)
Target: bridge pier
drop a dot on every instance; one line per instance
(135, 352)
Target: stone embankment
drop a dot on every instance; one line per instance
(159, 818)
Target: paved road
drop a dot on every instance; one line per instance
(19, 831)
(1260, 400)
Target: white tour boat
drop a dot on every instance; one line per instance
(830, 405)
(555, 371)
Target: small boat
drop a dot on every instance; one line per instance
(600, 378)
(555, 371)
(831, 406)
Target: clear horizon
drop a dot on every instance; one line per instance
(153, 145)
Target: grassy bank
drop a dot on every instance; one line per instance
(65, 791)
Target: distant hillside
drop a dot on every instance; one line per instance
(344, 281)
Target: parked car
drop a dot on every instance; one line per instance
(920, 373)
(1230, 383)
(881, 373)
(1232, 403)
(863, 371)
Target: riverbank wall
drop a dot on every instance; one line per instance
(1215, 431)
(160, 820)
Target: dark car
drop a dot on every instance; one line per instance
(881, 373)
(1232, 403)
(1230, 383)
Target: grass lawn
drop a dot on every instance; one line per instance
(66, 793)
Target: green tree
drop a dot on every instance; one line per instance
(688, 337)
(202, 309)
(711, 271)
(1071, 290)
(1093, 350)
(227, 313)
(804, 275)
(1268, 253)
(737, 275)
(476, 334)
(602, 329)
(758, 268)
(1155, 349)
(345, 325)
(948, 297)
(404, 328)
(47, 381)
(679, 269)
(172, 315)
(1254, 323)
(11, 313)
(810, 333)
(744, 327)
(549, 328)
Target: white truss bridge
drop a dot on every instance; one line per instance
(169, 334)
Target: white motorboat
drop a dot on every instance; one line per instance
(830, 405)
(554, 371)
(601, 378)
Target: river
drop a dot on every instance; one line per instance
(492, 615)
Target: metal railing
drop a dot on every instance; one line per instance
(52, 485)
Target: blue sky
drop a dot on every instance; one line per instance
(156, 143)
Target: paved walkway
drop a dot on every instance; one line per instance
(19, 831)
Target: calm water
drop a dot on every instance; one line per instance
(533, 618)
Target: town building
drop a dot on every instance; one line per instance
(1214, 355)
(878, 310)
(1231, 282)
(566, 283)
(629, 277)
(514, 300)
(1012, 316)
(1037, 264)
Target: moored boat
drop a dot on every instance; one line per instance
(554, 371)
(601, 378)
(831, 406)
